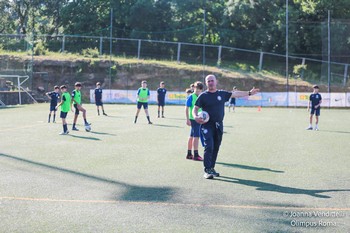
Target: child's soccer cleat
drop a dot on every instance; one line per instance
(309, 128)
(64, 133)
(75, 129)
(198, 158)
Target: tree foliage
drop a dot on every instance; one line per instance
(250, 24)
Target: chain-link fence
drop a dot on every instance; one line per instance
(44, 75)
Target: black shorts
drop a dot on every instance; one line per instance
(140, 104)
(317, 111)
(52, 108)
(63, 115)
(98, 103)
(76, 109)
(161, 103)
(233, 101)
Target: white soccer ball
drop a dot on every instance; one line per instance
(87, 128)
(204, 115)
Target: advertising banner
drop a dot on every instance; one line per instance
(264, 99)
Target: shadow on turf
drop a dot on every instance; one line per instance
(101, 133)
(263, 186)
(333, 131)
(132, 193)
(83, 137)
(170, 126)
(249, 167)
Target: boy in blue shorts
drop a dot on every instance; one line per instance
(161, 92)
(193, 140)
(315, 101)
(53, 96)
(143, 95)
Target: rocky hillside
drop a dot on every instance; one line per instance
(127, 74)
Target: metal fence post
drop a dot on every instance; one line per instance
(178, 52)
(219, 55)
(302, 71)
(345, 74)
(63, 43)
(101, 40)
(139, 50)
(261, 61)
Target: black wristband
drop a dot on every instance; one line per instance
(249, 93)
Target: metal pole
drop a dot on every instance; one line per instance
(178, 52)
(329, 54)
(110, 50)
(204, 32)
(287, 52)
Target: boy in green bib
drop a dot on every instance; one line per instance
(193, 140)
(142, 100)
(76, 100)
(65, 107)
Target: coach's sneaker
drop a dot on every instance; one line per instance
(208, 174)
(214, 173)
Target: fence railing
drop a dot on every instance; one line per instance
(221, 56)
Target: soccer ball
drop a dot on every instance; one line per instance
(205, 116)
(87, 128)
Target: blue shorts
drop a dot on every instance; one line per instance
(52, 108)
(140, 104)
(233, 101)
(195, 129)
(315, 111)
(63, 115)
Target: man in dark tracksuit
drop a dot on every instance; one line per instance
(213, 102)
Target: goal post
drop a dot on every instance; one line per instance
(16, 84)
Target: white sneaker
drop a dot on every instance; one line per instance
(64, 133)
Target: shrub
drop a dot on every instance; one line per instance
(89, 52)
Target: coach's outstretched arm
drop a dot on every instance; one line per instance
(237, 94)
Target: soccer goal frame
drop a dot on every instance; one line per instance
(20, 80)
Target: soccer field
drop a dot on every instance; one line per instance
(125, 177)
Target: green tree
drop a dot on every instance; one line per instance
(6, 17)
